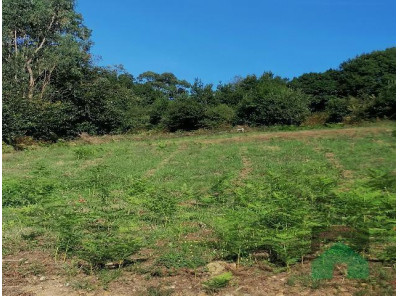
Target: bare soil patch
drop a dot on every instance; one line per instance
(246, 169)
(20, 277)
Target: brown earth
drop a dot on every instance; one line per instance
(36, 273)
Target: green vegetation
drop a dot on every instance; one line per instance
(53, 90)
(181, 202)
(195, 200)
(218, 282)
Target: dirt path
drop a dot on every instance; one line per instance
(351, 132)
(165, 161)
(346, 174)
(246, 169)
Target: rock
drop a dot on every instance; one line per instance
(42, 278)
(171, 287)
(216, 267)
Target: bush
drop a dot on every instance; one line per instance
(273, 103)
(219, 115)
(26, 192)
(337, 109)
(384, 105)
(218, 282)
(317, 118)
(184, 114)
(38, 119)
(157, 110)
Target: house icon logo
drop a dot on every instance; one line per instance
(347, 243)
(339, 253)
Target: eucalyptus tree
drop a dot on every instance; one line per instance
(43, 40)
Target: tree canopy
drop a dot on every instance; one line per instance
(53, 89)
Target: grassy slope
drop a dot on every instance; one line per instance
(189, 201)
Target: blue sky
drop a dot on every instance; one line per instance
(218, 39)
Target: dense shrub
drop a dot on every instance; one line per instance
(337, 109)
(218, 116)
(271, 103)
(183, 114)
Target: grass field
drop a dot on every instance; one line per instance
(97, 213)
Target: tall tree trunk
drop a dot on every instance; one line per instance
(31, 79)
(46, 81)
(15, 42)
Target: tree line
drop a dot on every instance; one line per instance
(52, 88)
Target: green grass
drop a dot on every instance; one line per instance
(195, 199)
(218, 282)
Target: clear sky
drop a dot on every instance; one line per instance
(218, 39)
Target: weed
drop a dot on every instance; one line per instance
(84, 152)
(218, 282)
(82, 284)
(158, 291)
(107, 276)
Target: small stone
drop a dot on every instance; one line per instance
(67, 284)
(42, 278)
(216, 267)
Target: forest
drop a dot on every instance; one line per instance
(53, 89)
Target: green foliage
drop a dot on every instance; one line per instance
(219, 115)
(52, 89)
(26, 192)
(103, 247)
(337, 109)
(183, 114)
(102, 203)
(6, 148)
(158, 291)
(271, 102)
(84, 152)
(369, 79)
(161, 206)
(368, 74)
(218, 282)
(181, 258)
(321, 86)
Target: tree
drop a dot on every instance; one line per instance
(321, 86)
(272, 102)
(183, 113)
(45, 53)
(166, 83)
(368, 74)
(42, 38)
(219, 115)
(204, 94)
